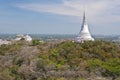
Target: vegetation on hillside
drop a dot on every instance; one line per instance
(60, 61)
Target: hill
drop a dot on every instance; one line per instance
(98, 60)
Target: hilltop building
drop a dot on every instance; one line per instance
(24, 37)
(4, 42)
(84, 34)
(28, 38)
(19, 37)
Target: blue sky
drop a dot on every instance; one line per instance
(59, 16)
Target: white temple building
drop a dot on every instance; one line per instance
(84, 34)
(19, 37)
(25, 37)
(28, 38)
(4, 42)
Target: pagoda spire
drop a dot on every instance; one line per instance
(84, 19)
(84, 34)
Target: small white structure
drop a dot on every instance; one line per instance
(4, 42)
(21, 36)
(28, 38)
(84, 34)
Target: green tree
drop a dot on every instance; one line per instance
(35, 42)
(112, 68)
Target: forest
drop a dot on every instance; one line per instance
(67, 60)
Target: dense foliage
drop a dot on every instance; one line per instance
(60, 61)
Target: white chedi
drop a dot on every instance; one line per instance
(84, 34)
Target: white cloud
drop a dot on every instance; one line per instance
(52, 8)
(68, 7)
(102, 10)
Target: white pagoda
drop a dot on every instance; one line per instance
(84, 34)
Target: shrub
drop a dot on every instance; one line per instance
(35, 42)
